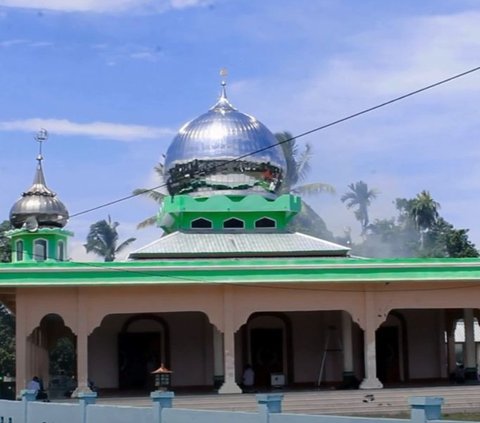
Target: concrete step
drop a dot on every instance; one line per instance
(348, 402)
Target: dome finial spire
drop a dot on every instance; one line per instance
(224, 74)
(41, 136)
(39, 201)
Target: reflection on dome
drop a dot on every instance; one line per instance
(224, 151)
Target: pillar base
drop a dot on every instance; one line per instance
(371, 383)
(81, 389)
(230, 388)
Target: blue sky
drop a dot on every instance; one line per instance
(113, 80)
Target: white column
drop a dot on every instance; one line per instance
(21, 356)
(469, 356)
(82, 346)
(371, 381)
(229, 386)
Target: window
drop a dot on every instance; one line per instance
(19, 250)
(201, 223)
(234, 223)
(61, 251)
(40, 250)
(265, 222)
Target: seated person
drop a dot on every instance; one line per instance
(36, 385)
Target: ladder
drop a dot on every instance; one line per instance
(332, 331)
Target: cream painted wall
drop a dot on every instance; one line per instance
(423, 332)
(191, 348)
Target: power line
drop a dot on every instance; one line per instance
(303, 134)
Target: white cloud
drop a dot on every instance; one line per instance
(102, 6)
(105, 130)
(28, 43)
(11, 43)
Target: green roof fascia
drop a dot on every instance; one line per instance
(211, 271)
(177, 212)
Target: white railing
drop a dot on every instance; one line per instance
(27, 410)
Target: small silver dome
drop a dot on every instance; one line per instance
(224, 151)
(40, 203)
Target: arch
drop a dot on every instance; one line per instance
(233, 223)
(262, 361)
(201, 223)
(265, 222)
(157, 348)
(392, 347)
(40, 249)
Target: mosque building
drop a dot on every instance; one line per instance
(230, 285)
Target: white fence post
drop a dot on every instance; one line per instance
(425, 408)
(269, 403)
(27, 395)
(161, 400)
(85, 399)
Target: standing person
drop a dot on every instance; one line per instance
(248, 379)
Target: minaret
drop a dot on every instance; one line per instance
(38, 217)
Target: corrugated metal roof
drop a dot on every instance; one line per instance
(199, 244)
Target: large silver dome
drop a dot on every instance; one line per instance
(39, 203)
(224, 151)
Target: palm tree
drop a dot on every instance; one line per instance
(155, 195)
(102, 239)
(423, 211)
(360, 197)
(298, 167)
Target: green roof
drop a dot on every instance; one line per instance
(239, 271)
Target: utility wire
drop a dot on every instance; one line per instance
(303, 134)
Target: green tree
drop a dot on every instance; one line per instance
(298, 167)
(63, 357)
(443, 240)
(155, 195)
(417, 231)
(102, 240)
(360, 197)
(7, 342)
(5, 247)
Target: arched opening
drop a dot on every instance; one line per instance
(265, 222)
(142, 347)
(233, 223)
(53, 346)
(392, 349)
(268, 348)
(40, 249)
(201, 223)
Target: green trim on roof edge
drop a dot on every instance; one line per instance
(213, 271)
